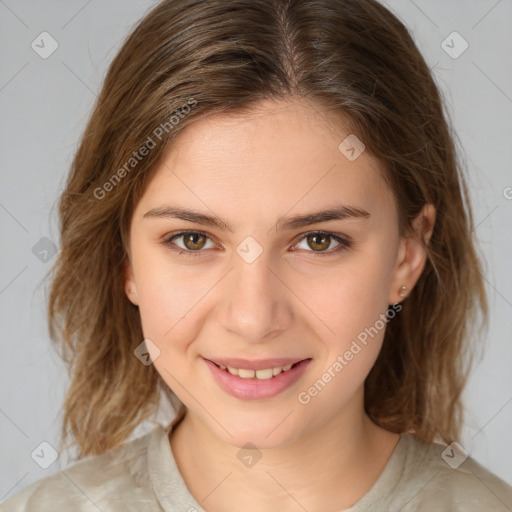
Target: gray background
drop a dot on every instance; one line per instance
(44, 104)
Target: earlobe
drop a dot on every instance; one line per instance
(412, 255)
(129, 283)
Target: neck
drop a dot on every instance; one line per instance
(330, 468)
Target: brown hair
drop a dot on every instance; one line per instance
(354, 58)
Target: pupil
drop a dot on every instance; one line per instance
(192, 238)
(321, 237)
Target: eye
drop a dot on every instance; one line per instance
(321, 240)
(193, 242)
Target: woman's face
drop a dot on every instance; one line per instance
(253, 278)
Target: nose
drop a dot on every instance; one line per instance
(256, 301)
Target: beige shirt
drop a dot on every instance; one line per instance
(142, 475)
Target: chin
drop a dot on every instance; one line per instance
(265, 431)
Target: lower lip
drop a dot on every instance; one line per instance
(253, 389)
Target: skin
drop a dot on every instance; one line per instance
(250, 170)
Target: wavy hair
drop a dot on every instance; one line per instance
(353, 57)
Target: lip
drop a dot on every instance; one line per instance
(260, 364)
(254, 389)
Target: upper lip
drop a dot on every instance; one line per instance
(259, 364)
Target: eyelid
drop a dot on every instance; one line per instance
(344, 242)
(167, 241)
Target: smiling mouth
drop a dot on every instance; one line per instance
(257, 379)
(260, 374)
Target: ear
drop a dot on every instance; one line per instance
(412, 254)
(129, 282)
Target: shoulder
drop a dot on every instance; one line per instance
(441, 477)
(101, 482)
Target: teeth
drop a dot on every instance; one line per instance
(265, 374)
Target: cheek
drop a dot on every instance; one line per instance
(164, 304)
(165, 295)
(171, 306)
(356, 315)
(155, 300)
(350, 298)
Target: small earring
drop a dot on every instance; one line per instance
(401, 292)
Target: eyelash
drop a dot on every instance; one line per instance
(344, 243)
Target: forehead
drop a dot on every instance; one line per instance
(271, 128)
(279, 155)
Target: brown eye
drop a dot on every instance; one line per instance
(189, 243)
(319, 241)
(194, 241)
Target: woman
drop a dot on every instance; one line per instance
(266, 222)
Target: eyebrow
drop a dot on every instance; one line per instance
(339, 212)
